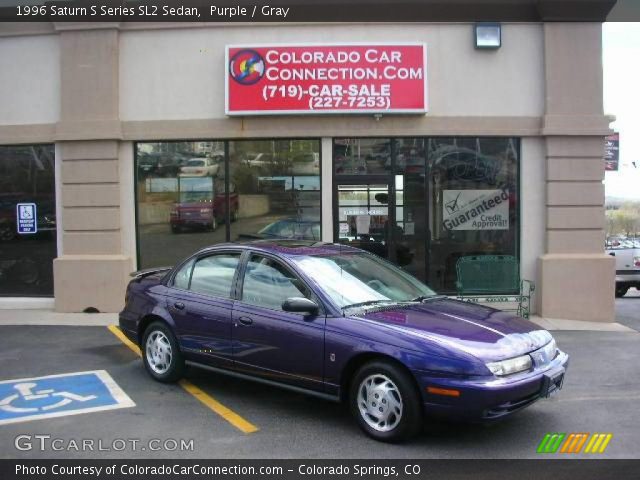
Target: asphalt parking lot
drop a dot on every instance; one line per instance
(601, 394)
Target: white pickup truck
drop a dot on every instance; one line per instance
(627, 253)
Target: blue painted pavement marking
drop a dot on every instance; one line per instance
(59, 395)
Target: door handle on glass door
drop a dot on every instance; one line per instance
(246, 321)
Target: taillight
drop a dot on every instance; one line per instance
(636, 261)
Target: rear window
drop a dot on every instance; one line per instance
(195, 163)
(214, 275)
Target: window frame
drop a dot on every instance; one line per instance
(242, 268)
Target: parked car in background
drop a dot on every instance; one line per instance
(290, 228)
(201, 167)
(202, 206)
(339, 323)
(159, 164)
(259, 159)
(627, 254)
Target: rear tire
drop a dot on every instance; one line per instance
(621, 291)
(385, 402)
(161, 354)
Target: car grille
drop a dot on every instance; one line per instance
(510, 407)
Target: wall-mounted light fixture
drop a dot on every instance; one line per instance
(488, 35)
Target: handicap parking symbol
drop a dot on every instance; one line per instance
(59, 395)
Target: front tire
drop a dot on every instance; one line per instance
(385, 403)
(160, 353)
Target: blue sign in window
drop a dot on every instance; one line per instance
(59, 395)
(27, 218)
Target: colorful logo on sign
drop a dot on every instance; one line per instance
(246, 67)
(574, 443)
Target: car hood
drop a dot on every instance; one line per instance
(483, 332)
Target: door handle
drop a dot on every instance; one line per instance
(179, 305)
(246, 321)
(613, 254)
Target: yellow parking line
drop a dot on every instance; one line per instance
(229, 415)
(123, 338)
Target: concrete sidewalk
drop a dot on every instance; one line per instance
(51, 318)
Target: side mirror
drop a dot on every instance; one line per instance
(300, 305)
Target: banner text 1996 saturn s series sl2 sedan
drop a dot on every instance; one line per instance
(342, 324)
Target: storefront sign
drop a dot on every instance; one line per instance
(612, 152)
(347, 78)
(475, 209)
(27, 218)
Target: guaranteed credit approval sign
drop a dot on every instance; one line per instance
(310, 79)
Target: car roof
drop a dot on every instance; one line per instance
(287, 247)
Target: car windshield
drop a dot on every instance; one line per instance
(358, 279)
(195, 163)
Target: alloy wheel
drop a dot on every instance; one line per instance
(380, 402)
(158, 352)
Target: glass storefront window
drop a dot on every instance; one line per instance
(446, 197)
(27, 176)
(361, 156)
(277, 189)
(180, 192)
(473, 198)
(182, 199)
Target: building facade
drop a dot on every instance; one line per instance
(118, 134)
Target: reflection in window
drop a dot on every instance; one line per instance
(26, 260)
(268, 284)
(214, 275)
(355, 156)
(181, 190)
(447, 198)
(474, 202)
(277, 189)
(183, 277)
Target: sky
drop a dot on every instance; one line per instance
(621, 62)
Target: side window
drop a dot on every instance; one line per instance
(267, 283)
(181, 280)
(213, 275)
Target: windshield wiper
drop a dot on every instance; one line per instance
(424, 298)
(364, 304)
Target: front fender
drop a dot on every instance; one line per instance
(347, 339)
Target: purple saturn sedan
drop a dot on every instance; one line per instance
(342, 324)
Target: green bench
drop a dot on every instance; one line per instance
(497, 277)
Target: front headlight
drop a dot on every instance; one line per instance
(512, 365)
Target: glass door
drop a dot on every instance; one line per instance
(363, 219)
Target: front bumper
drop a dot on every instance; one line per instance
(191, 222)
(492, 398)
